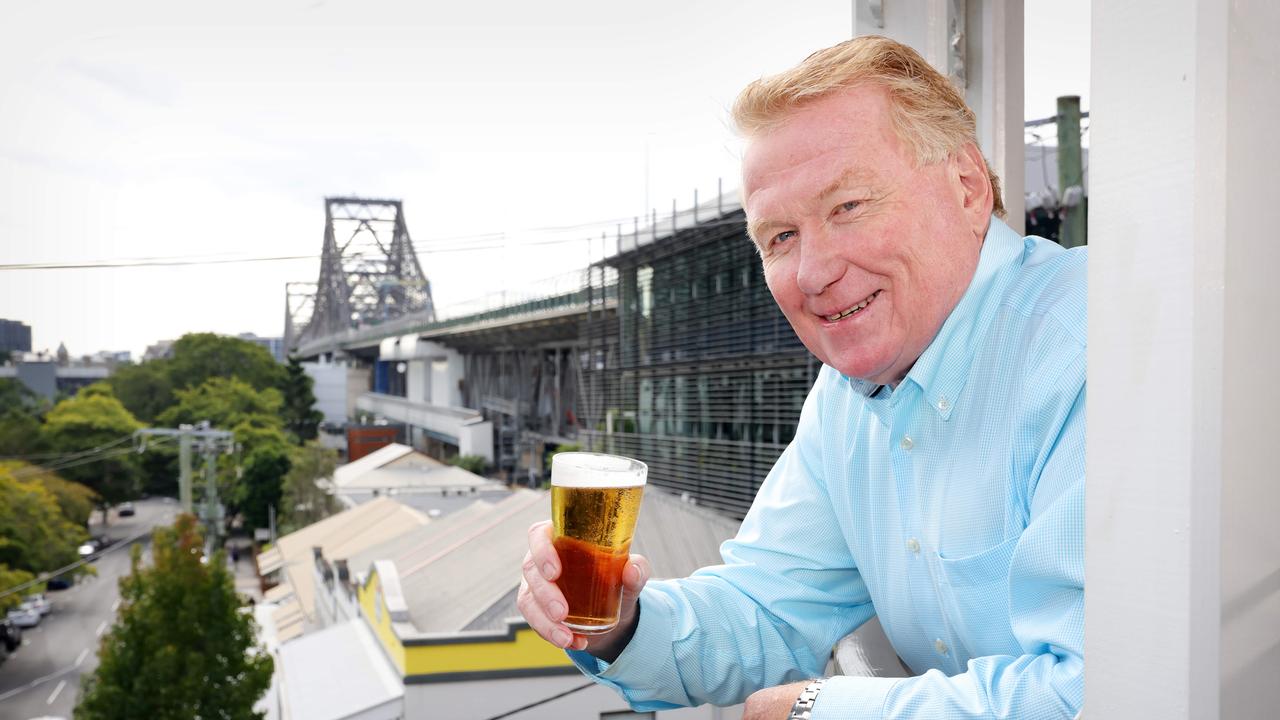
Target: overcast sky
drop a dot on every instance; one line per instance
(137, 130)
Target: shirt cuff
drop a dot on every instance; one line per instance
(645, 673)
(849, 696)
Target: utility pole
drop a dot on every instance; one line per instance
(1074, 207)
(211, 441)
(184, 469)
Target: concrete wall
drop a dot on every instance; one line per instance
(330, 389)
(1182, 547)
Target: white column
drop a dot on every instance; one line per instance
(1182, 545)
(978, 44)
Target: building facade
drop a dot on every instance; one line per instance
(15, 336)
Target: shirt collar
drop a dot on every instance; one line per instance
(943, 368)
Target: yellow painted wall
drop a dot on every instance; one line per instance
(368, 596)
(526, 651)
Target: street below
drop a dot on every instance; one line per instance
(42, 678)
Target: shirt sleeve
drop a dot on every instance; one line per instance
(1046, 605)
(787, 591)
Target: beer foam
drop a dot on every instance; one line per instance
(582, 469)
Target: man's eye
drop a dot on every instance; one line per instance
(782, 237)
(848, 207)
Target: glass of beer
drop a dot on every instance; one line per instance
(594, 503)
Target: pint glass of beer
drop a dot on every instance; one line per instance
(594, 503)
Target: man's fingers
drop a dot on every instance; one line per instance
(635, 575)
(543, 552)
(552, 631)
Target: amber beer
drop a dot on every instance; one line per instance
(594, 503)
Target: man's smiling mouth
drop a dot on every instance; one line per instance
(855, 309)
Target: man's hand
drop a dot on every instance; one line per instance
(543, 605)
(773, 703)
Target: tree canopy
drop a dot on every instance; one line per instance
(181, 646)
(200, 356)
(36, 534)
(304, 502)
(300, 416)
(90, 420)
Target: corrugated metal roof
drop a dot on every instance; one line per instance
(339, 536)
(417, 543)
(270, 561)
(375, 459)
(678, 537)
(474, 568)
(418, 477)
(277, 593)
(461, 571)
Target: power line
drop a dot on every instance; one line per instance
(56, 457)
(494, 241)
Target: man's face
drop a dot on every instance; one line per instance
(865, 254)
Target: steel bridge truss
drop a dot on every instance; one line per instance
(369, 273)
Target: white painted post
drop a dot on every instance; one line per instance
(1182, 545)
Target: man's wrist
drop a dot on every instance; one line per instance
(608, 647)
(803, 707)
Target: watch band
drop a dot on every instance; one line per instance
(803, 709)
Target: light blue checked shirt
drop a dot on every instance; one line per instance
(951, 506)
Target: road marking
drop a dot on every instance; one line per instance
(83, 654)
(54, 696)
(115, 605)
(102, 628)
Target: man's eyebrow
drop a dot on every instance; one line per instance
(850, 176)
(756, 227)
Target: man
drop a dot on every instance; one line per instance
(937, 474)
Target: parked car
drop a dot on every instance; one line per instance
(10, 635)
(61, 582)
(127, 509)
(87, 550)
(25, 616)
(40, 602)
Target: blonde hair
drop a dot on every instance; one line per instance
(928, 113)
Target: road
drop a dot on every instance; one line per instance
(42, 678)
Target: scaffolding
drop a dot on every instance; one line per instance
(697, 373)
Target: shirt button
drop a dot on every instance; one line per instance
(940, 646)
(913, 545)
(907, 444)
(943, 403)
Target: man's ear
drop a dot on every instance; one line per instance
(973, 183)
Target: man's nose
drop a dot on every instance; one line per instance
(820, 263)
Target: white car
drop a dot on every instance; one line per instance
(25, 616)
(41, 603)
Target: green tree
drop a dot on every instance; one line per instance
(35, 534)
(300, 415)
(16, 396)
(304, 501)
(200, 356)
(21, 434)
(471, 463)
(93, 419)
(225, 402)
(254, 417)
(13, 578)
(146, 389)
(262, 486)
(181, 648)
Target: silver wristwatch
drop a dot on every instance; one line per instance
(803, 708)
